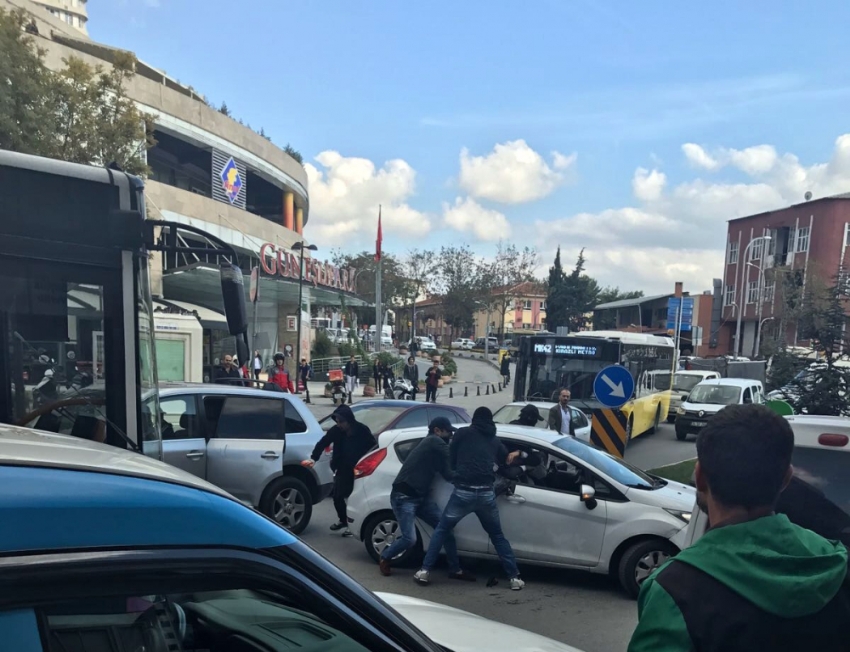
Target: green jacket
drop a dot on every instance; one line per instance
(782, 569)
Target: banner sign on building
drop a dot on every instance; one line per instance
(673, 304)
(279, 262)
(229, 179)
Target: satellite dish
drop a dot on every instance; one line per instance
(808, 195)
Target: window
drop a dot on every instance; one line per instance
(756, 248)
(752, 291)
(543, 305)
(802, 239)
(769, 291)
(847, 235)
(294, 421)
(404, 448)
(729, 297)
(416, 418)
(451, 415)
(179, 417)
(733, 253)
(527, 304)
(579, 418)
(242, 417)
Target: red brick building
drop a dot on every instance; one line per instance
(807, 241)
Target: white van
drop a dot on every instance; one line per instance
(683, 383)
(818, 497)
(711, 396)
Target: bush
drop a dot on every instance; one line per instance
(322, 345)
(449, 363)
(388, 358)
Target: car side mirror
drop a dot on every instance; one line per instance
(588, 496)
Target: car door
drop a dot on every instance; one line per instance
(582, 425)
(246, 443)
(183, 442)
(549, 522)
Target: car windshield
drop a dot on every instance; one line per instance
(685, 382)
(715, 394)
(376, 417)
(510, 413)
(614, 468)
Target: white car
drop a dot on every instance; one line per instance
(510, 412)
(711, 396)
(818, 497)
(592, 512)
(463, 344)
(461, 631)
(426, 344)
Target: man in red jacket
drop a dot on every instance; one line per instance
(278, 375)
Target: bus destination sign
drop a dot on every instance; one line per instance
(568, 350)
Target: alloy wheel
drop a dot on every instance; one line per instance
(289, 507)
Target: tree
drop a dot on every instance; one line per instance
(570, 296)
(418, 268)
(294, 153)
(556, 301)
(510, 268)
(393, 281)
(460, 280)
(224, 110)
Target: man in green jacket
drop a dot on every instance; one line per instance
(754, 581)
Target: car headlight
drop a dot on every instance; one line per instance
(680, 410)
(678, 513)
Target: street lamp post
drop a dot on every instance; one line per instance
(742, 305)
(759, 304)
(300, 246)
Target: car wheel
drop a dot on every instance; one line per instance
(681, 435)
(380, 531)
(671, 418)
(288, 502)
(654, 428)
(630, 426)
(641, 560)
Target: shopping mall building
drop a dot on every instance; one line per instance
(211, 172)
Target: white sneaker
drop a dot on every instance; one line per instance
(347, 533)
(517, 583)
(422, 577)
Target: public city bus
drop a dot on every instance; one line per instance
(548, 363)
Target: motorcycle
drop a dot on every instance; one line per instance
(338, 390)
(403, 389)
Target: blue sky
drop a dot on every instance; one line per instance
(667, 118)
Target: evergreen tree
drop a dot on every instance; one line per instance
(224, 110)
(556, 303)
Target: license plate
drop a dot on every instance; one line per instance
(698, 424)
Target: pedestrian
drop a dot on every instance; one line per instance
(305, 373)
(411, 373)
(560, 418)
(432, 380)
(414, 346)
(474, 453)
(351, 373)
(754, 581)
(389, 379)
(529, 415)
(410, 497)
(378, 375)
(278, 375)
(505, 368)
(228, 373)
(351, 440)
(257, 365)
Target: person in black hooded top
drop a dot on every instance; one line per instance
(351, 440)
(475, 453)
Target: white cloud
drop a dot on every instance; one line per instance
(344, 197)
(467, 215)
(513, 173)
(647, 185)
(698, 157)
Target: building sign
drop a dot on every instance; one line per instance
(291, 323)
(229, 179)
(568, 350)
(674, 306)
(279, 262)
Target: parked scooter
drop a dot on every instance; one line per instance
(403, 389)
(338, 391)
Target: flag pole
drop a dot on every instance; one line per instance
(378, 311)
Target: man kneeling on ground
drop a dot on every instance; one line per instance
(754, 581)
(410, 497)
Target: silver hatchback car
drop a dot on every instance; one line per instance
(249, 442)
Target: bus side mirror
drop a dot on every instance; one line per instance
(233, 294)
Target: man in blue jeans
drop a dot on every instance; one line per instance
(475, 453)
(410, 496)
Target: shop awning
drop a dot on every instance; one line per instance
(208, 318)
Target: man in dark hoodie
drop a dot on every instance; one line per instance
(475, 453)
(529, 415)
(754, 581)
(351, 440)
(410, 497)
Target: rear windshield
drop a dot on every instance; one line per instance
(818, 497)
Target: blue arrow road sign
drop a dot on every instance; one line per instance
(614, 386)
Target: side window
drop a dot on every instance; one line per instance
(244, 417)
(404, 448)
(294, 421)
(748, 396)
(179, 418)
(451, 415)
(579, 419)
(415, 418)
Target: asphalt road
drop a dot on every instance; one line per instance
(585, 610)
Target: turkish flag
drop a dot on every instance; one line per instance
(380, 238)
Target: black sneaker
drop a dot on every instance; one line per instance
(336, 527)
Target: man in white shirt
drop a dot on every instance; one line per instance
(560, 417)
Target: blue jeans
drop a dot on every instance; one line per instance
(462, 503)
(407, 510)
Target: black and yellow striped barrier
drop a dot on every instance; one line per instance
(609, 432)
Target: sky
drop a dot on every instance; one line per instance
(632, 130)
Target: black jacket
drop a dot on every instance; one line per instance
(433, 376)
(412, 374)
(348, 449)
(473, 453)
(505, 367)
(431, 456)
(351, 369)
(223, 376)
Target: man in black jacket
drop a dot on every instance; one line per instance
(410, 497)
(474, 454)
(411, 373)
(228, 373)
(351, 440)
